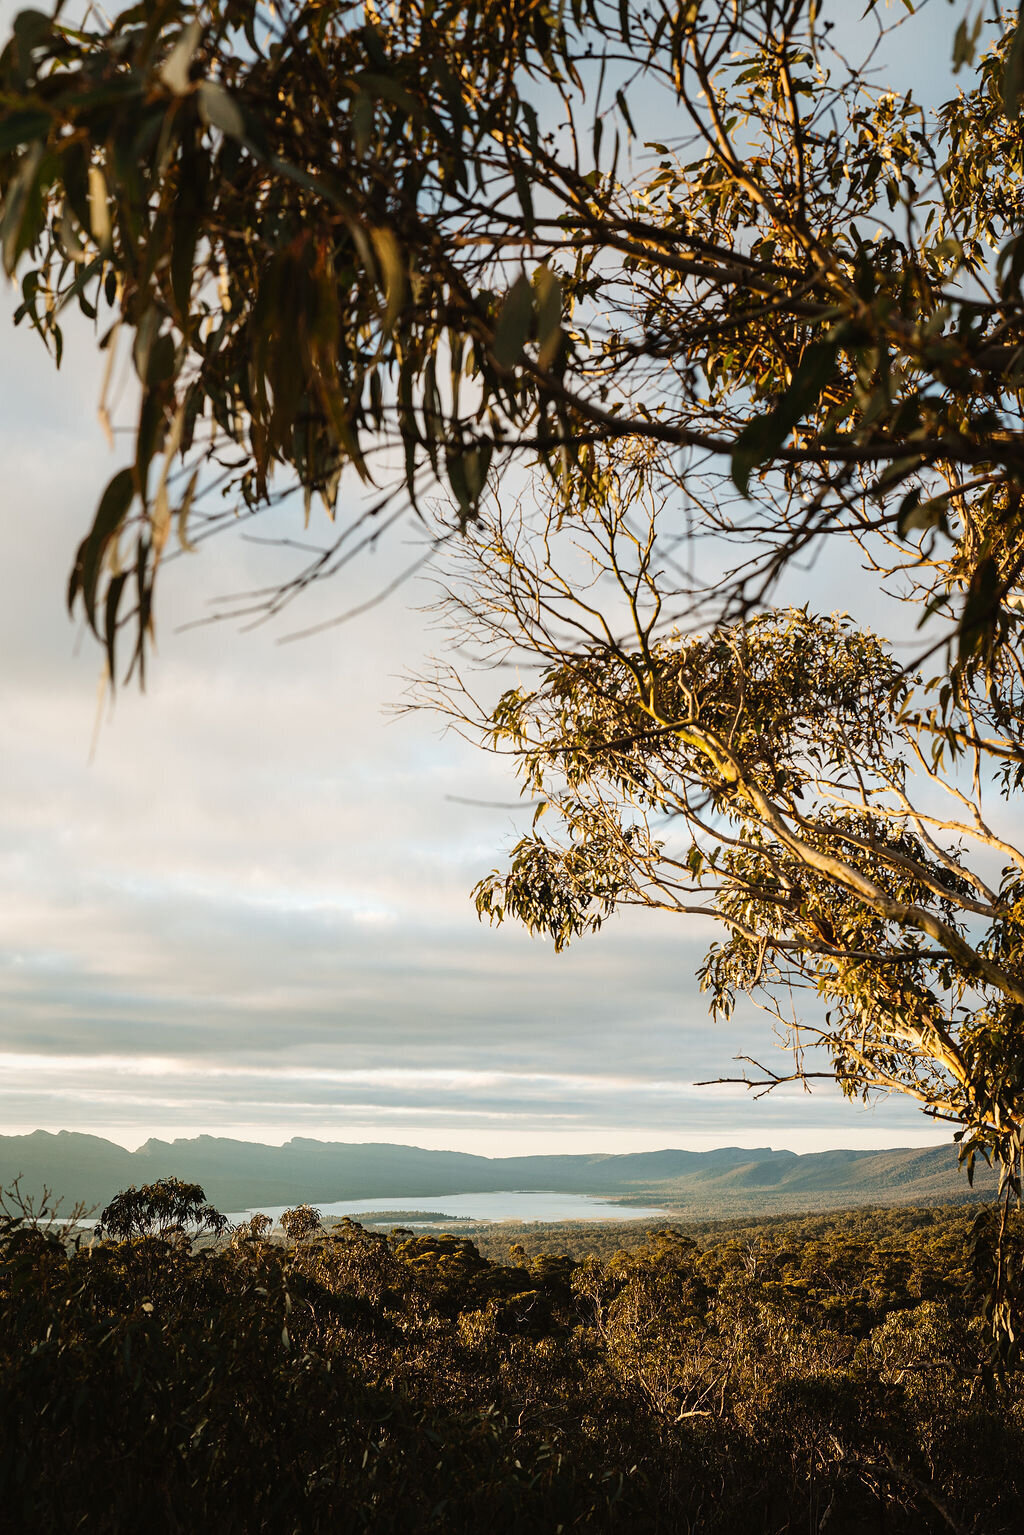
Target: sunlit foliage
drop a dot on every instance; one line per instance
(417, 240)
(782, 774)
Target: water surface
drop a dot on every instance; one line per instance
(507, 1205)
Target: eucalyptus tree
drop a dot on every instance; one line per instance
(166, 1209)
(785, 774)
(418, 240)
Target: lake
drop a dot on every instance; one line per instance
(507, 1205)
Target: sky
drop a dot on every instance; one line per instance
(238, 904)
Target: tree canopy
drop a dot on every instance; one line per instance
(166, 1209)
(783, 774)
(417, 240)
(720, 1377)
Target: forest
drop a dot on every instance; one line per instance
(831, 1372)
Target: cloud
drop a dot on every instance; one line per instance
(542, 1110)
(247, 911)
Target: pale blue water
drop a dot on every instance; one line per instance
(503, 1206)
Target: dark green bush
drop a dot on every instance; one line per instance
(804, 1377)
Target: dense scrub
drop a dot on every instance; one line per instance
(824, 1374)
(939, 1234)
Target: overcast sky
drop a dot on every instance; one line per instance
(247, 911)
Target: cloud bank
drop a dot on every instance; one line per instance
(241, 907)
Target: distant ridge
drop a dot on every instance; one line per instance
(732, 1180)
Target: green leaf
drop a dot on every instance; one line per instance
(549, 315)
(183, 251)
(362, 123)
(161, 361)
(99, 210)
(980, 606)
(392, 266)
(218, 109)
(16, 205)
(69, 236)
(110, 514)
(513, 327)
(524, 193)
(146, 331)
(763, 436)
(115, 591)
(916, 515)
(183, 511)
(460, 489)
(894, 474)
(965, 42)
(387, 89)
(477, 462)
(174, 72)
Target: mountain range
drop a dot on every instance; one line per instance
(732, 1180)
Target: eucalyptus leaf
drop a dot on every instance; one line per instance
(174, 71)
(99, 210)
(218, 109)
(513, 325)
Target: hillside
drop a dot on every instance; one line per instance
(729, 1181)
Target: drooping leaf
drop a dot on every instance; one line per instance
(218, 109)
(15, 214)
(99, 210)
(980, 610)
(174, 72)
(916, 515)
(513, 326)
(183, 513)
(110, 514)
(761, 438)
(549, 316)
(392, 268)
